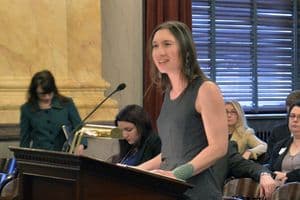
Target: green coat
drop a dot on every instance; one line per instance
(43, 128)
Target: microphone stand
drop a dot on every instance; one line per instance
(77, 136)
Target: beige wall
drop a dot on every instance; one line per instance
(90, 46)
(122, 51)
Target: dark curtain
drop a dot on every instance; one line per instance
(156, 12)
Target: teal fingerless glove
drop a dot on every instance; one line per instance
(184, 172)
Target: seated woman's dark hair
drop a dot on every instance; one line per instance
(146, 140)
(139, 117)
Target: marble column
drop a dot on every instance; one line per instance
(63, 36)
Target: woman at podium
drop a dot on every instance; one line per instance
(192, 122)
(140, 142)
(44, 114)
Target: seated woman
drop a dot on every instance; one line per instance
(285, 159)
(141, 142)
(250, 146)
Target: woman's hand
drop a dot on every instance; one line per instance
(280, 176)
(247, 154)
(267, 186)
(79, 150)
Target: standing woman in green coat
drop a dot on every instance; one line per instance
(44, 114)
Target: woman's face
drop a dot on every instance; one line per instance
(129, 131)
(231, 114)
(165, 52)
(294, 121)
(42, 96)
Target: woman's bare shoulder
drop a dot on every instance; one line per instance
(209, 88)
(209, 96)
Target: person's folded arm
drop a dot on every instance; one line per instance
(257, 146)
(240, 167)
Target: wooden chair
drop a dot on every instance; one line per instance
(10, 190)
(288, 191)
(243, 188)
(8, 170)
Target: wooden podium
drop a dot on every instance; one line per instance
(49, 175)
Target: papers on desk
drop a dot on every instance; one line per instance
(147, 171)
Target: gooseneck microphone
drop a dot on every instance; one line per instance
(67, 145)
(120, 87)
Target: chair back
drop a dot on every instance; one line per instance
(8, 171)
(10, 190)
(288, 191)
(11, 166)
(242, 188)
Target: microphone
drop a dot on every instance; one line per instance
(67, 147)
(66, 132)
(121, 86)
(68, 141)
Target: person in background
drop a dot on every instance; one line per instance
(234, 165)
(141, 141)
(285, 158)
(281, 131)
(192, 141)
(44, 114)
(250, 146)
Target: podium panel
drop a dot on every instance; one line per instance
(36, 187)
(61, 176)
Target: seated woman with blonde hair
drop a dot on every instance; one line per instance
(250, 146)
